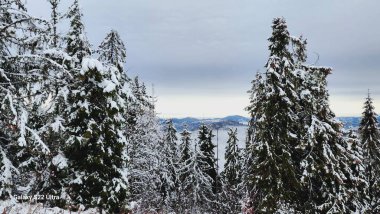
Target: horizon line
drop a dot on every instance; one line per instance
(219, 117)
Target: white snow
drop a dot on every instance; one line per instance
(60, 161)
(57, 125)
(107, 85)
(10, 207)
(90, 64)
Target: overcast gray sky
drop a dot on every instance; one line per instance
(202, 55)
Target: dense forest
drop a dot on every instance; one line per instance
(78, 133)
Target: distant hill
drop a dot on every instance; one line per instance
(215, 123)
(236, 120)
(350, 122)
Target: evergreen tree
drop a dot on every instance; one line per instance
(185, 152)
(9, 24)
(24, 115)
(358, 186)
(8, 172)
(294, 135)
(185, 157)
(171, 139)
(274, 176)
(257, 97)
(170, 160)
(198, 197)
(144, 161)
(232, 167)
(96, 143)
(77, 42)
(55, 17)
(112, 50)
(371, 151)
(206, 148)
(231, 175)
(325, 168)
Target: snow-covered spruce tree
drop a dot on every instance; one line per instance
(24, 116)
(197, 186)
(77, 42)
(171, 139)
(169, 152)
(145, 141)
(9, 23)
(257, 97)
(206, 148)
(232, 167)
(55, 17)
(231, 176)
(139, 93)
(370, 139)
(329, 184)
(139, 103)
(185, 151)
(53, 177)
(112, 50)
(144, 166)
(274, 178)
(185, 154)
(358, 186)
(95, 145)
(316, 119)
(325, 169)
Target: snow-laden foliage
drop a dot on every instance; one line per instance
(144, 159)
(358, 192)
(169, 161)
(55, 18)
(207, 149)
(370, 140)
(232, 168)
(325, 164)
(232, 175)
(297, 158)
(96, 141)
(197, 187)
(112, 50)
(81, 130)
(30, 83)
(64, 116)
(276, 122)
(77, 42)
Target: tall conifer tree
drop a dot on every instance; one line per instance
(231, 175)
(198, 186)
(184, 170)
(232, 166)
(206, 148)
(358, 186)
(370, 140)
(275, 123)
(96, 143)
(77, 42)
(112, 50)
(170, 160)
(55, 16)
(324, 159)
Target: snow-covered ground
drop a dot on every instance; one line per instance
(221, 140)
(9, 207)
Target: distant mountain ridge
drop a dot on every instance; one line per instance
(193, 123)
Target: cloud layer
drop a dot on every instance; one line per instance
(192, 50)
